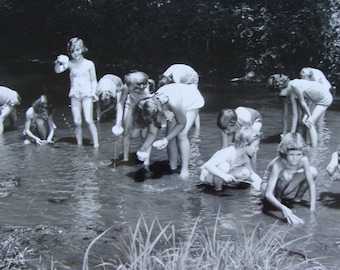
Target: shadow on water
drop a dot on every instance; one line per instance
(330, 199)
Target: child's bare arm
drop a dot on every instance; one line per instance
(271, 186)
(181, 120)
(295, 114)
(121, 99)
(311, 184)
(93, 78)
(212, 165)
(51, 128)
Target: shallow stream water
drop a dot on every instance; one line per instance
(95, 196)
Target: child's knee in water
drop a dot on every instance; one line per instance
(314, 172)
(243, 173)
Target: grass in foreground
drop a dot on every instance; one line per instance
(157, 247)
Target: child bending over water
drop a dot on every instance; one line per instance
(290, 173)
(304, 91)
(229, 121)
(9, 99)
(39, 125)
(179, 104)
(109, 91)
(137, 86)
(333, 168)
(313, 74)
(83, 80)
(232, 164)
(181, 73)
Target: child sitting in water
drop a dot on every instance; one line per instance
(39, 125)
(232, 164)
(333, 167)
(290, 172)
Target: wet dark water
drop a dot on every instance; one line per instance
(95, 195)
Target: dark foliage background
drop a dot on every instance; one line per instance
(224, 38)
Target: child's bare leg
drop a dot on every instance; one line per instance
(317, 112)
(76, 108)
(146, 162)
(241, 173)
(128, 127)
(292, 181)
(13, 118)
(4, 113)
(41, 128)
(184, 144)
(2, 125)
(88, 115)
(198, 122)
(304, 186)
(172, 148)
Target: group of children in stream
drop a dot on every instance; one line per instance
(175, 106)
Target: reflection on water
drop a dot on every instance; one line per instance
(95, 194)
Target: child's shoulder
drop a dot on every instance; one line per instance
(30, 112)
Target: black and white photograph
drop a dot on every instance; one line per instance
(169, 134)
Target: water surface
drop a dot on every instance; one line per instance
(96, 195)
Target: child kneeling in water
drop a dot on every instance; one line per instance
(232, 164)
(290, 172)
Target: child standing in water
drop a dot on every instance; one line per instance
(181, 73)
(9, 99)
(333, 168)
(304, 91)
(39, 125)
(83, 81)
(179, 105)
(232, 164)
(290, 173)
(137, 86)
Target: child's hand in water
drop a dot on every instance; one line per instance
(161, 144)
(40, 142)
(291, 218)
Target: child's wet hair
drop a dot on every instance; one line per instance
(224, 117)
(149, 110)
(73, 43)
(246, 136)
(292, 141)
(277, 81)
